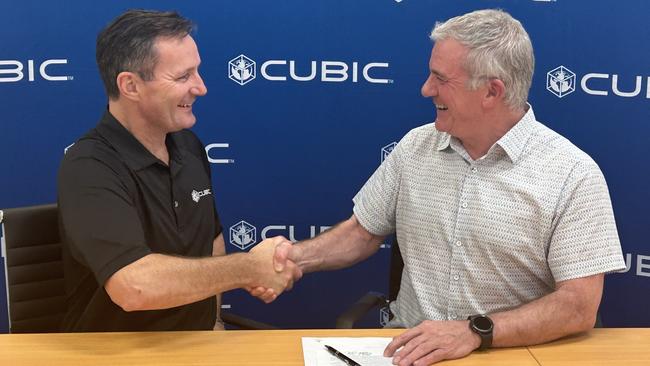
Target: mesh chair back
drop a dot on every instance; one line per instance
(34, 268)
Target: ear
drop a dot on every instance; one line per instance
(129, 85)
(495, 93)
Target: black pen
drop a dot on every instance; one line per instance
(341, 356)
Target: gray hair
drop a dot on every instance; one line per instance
(498, 47)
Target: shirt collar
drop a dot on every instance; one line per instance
(135, 155)
(512, 142)
(443, 141)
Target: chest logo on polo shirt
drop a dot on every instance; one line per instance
(196, 195)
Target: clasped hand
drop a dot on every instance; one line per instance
(269, 279)
(429, 342)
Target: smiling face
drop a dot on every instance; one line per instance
(459, 109)
(166, 100)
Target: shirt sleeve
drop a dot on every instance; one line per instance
(584, 240)
(375, 204)
(99, 221)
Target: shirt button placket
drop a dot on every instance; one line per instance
(457, 247)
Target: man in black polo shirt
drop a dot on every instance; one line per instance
(143, 246)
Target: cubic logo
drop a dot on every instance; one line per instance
(16, 71)
(561, 81)
(386, 150)
(243, 235)
(615, 89)
(642, 264)
(384, 316)
(241, 69)
(217, 145)
(290, 230)
(330, 71)
(196, 195)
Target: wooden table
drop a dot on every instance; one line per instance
(283, 347)
(600, 347)
(277, 347)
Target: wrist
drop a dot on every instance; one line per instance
(298, 257)
(482, 326)
(475, 339)
(248, 270)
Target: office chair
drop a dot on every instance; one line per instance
(34, 269)
(375, 299)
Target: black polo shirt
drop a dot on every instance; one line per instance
(119, 203)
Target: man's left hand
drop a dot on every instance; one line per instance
(433, 341)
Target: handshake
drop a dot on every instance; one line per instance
(273, 268)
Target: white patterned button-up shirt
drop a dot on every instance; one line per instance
(488, 235)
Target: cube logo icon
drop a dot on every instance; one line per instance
(243, 235)
(561, 81)
(386, 150)
(241, 69)
(384, 316)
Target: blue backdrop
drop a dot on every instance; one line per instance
(304, 99)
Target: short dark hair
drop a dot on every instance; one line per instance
(127, 44)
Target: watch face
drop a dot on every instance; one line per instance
(482, 324)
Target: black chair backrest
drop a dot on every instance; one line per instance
(34, 268)
(395, 273)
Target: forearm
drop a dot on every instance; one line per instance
(568, 310)
(341, 246)
(159, 281)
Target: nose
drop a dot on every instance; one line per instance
(199, 89)
(429, 88)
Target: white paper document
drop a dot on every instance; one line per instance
(366, 351)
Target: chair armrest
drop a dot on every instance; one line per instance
(359, 309)
(244, 323)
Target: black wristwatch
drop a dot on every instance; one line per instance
(483, 326)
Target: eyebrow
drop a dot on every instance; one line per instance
(188, 70)
(439, 74)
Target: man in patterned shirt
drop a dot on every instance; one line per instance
(505, 227)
